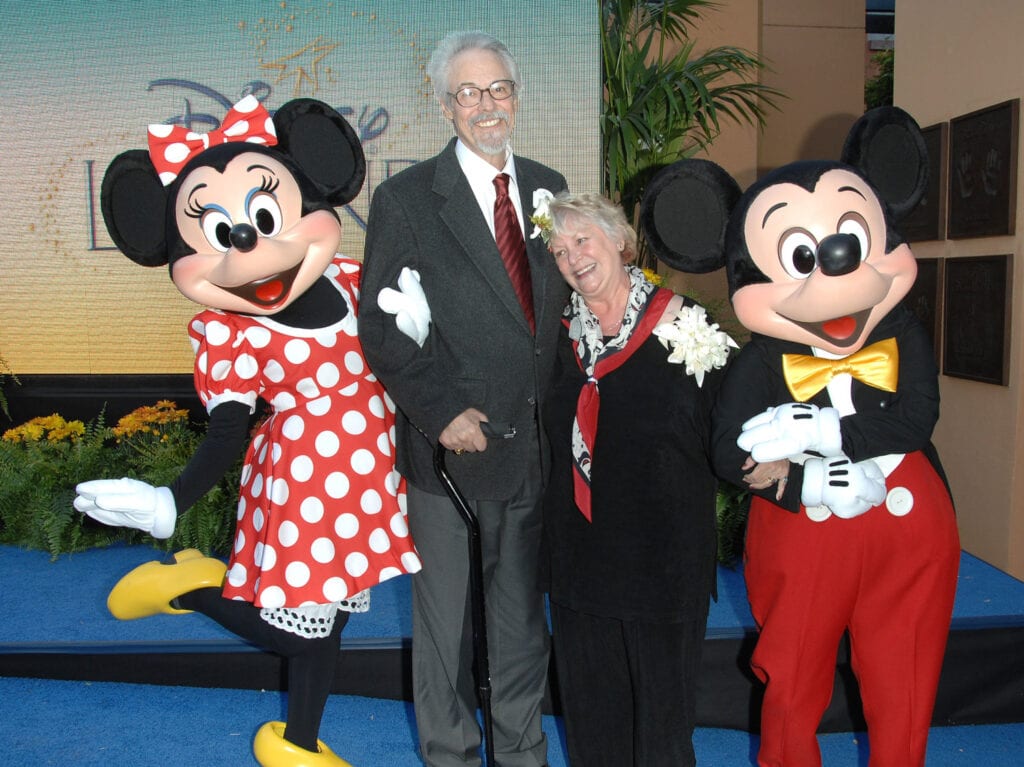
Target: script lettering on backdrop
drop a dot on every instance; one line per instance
(371, 122)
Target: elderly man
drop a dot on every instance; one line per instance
(459, 320)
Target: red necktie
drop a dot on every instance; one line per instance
(509, 237)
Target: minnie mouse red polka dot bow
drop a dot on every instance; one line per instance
(171, 146)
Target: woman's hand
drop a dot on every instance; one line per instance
(761, 476)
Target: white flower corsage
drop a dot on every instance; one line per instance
(541, 218)
(694, 342)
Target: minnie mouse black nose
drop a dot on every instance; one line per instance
(243, 237)
(838, 254)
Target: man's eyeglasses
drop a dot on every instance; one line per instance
(470, 95)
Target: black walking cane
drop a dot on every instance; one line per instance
(481, 664)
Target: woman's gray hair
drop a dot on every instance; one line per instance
(597, 209)
(454, 43)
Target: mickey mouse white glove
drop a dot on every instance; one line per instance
(128, 503)
(848, 489)
(408, 304)
(791, 429)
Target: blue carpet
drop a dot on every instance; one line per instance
(65, 601)
(88, 724)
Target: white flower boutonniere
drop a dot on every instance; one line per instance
(695, 342)
(541, 218)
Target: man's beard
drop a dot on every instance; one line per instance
(492, 144)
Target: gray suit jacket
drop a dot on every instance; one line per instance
(479, 352)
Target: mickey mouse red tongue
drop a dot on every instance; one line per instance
(268, 291)
(840, 328)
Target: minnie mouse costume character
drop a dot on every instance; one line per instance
(827, 415)
(244, 216)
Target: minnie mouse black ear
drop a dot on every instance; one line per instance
(684, 214)
(887, 147)
(322, 143)
(134, 203)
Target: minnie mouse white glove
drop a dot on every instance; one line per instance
(788, 430)
(128, 503)
(848, 489)
(409, 305)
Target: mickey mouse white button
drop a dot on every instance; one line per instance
(899, 501)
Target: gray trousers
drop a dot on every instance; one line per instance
(444, 689)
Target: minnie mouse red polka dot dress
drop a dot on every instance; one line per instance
(321, 511)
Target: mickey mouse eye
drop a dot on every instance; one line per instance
(216, 228)
(854, 224)
(265, 214)
(797, 249)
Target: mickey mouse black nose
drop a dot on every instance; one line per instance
(838, 254)
(243, 237)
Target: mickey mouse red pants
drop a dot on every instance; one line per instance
(890, 580)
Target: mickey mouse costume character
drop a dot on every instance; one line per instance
(244, 217)
(827, 415)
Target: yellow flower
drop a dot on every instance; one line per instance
(52, 428)
(653, 277)
(148, 418)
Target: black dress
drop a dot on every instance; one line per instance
(643, 568)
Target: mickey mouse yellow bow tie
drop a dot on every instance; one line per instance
(876, 365)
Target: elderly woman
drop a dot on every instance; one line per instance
(630, 506)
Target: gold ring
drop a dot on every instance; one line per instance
(459, 451)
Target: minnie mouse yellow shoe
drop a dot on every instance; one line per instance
(150, 587)
(272, 750)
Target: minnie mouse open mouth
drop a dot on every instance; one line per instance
(269, 291)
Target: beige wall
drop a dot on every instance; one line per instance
(952, 58)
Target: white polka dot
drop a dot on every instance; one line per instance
(239, 540)
(383, 444)
(296, 351)
(217, 333)
(328, 375)
(319, 406)
(273, 371)
(275, 453)
(346, 525)
(246, 367)
(353, 422)
(258, 519)
(392, 482)
(389, 403)
(239, 128)
(363, 461)
(312, 509)
(377, 406)
(337, 484)
(160, 130)
(257, 554)
(411, 562)
(335, 589)
(399, 525)
(293, 427)
(307, 388)
(371, 502)
(240, 509)
(284, 400)
(327, 340)
(327, 444)
(280, 491)
(379, 541)
(388, 573)
(258, 336)
(272, 596)
(322, 550)
(288, 534)
(269, 558)
(256, 488)
(350, 391)
(201, 359)
(354, 363)
(220, 370)
(356, 564)
(297, 574)
(237, 575)
(302, 468)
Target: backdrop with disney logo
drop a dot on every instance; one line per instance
(82, 80)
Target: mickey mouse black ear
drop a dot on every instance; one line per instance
(325, 147)
(886, 145)
(684, 214)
